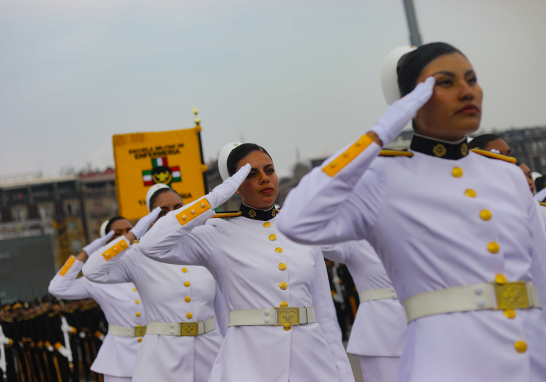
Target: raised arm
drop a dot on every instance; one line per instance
(326, 207)
(326, 316)
(339, 253)
(169, 240)
(64, 285)
(111, 264)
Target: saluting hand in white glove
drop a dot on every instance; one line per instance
(224, 191)
(98, 243)
(403, 111)
(143, 224)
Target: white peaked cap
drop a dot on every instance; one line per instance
(102, 230)
(389, 74)
(151, 193)
(223, 157)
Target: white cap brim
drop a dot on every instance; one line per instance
(389, 74)
(151, 193)
(223, 157)
(102, 230)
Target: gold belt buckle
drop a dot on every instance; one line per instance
(288, 316)
(189, 329)
(140, 331)
(512, 295)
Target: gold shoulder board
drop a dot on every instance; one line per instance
(395, 153)
(136, 241)
(495, 155)
(228, 214)
(542, 204)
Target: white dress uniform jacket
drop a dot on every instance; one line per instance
(437, 223)
(256, 267)
(380, 325)
(117, 354)
(171, 294)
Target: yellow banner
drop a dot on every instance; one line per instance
(144, 159)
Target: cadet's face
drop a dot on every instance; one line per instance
(120, 227)
(168, 201)
(455, 108)
(527, 171)
(260, 188)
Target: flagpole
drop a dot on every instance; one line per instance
(413, 26)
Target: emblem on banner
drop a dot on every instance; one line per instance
(161, 173)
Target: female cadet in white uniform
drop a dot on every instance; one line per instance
(182, 339)
(380, 325)
(281, 316)
(120, 304)
(457, 231)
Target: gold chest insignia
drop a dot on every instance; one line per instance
(464, 149)
(252, 214)
(439, 150)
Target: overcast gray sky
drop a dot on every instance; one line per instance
(285, 74)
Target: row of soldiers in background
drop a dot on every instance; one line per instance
(345, 296)
(34, 336)
(33, 340)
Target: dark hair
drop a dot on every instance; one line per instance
(112, 221)
(411, 65)
(240, 152)
(539, 183)
(481, 141)
(159, 192)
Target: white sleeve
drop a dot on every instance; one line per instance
(111, 264)
(180, 237)
(340, 253)
(329, 208)
(326, 318)
(64, 285)
(222, 315)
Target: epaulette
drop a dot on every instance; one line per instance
(5, 319)
(395, 153)
(136, 241)
(542, 204)
(489, 154)
(227, 214)
(53, 314)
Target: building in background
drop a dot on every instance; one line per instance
(528, 146)
(98, 193)
(41, 226)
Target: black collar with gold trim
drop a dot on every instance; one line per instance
(439, 149)
(256, 214)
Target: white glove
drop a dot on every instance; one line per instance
(66, 328)
(402, 111)
(82, 335)
(50, 348)
(224, 191)
(98, 243)
(63, 351)
(143, 224)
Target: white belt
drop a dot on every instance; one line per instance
(181, 329)
(126, 331)
(272, 317)
(377, 294)
(514, 295)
